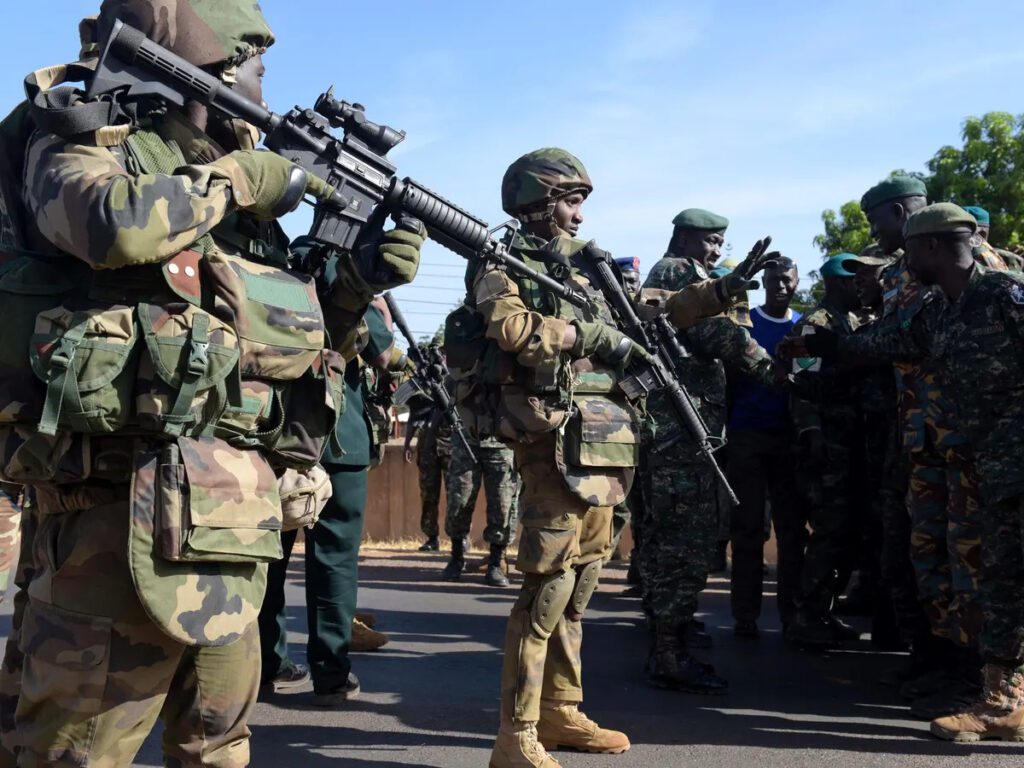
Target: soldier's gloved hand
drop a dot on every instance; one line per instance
(822, 343)
(741, 279)
(607, 343)
(263, 183)
(399, 254)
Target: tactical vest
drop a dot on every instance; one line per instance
(596, 428)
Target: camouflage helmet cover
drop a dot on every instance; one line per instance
(540, 177)
(203, 32)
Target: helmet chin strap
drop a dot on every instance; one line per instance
(547, 216)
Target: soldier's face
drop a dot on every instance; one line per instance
(632, 281)
(703, 246)
(568, 213)
(249, 80)
(886, 222)
(922, 258)
(868, 284)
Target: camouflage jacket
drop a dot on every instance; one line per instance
(979, 347)
(711, 341)
(904, 335)
(831, 406)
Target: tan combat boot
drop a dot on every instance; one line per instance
(999, 714)
(366, 639)
(563, 725)
(517, 747)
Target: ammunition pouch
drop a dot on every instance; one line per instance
(598, 450)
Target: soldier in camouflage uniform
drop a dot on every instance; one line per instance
(494, 463)
(981, 367)
(130, 617)
(942, 500)
(1013, 261)
(827, 427)
(433, 436)
(682, 501)
(561, 396)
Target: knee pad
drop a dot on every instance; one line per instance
(551, 595)
(586, 583)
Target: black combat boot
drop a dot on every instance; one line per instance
(495, 575)
(453, 571)
(430, 545)
(670, 666)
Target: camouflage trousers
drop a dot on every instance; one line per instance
(945, 544)
(895, 568)
(495, 466)
(433, 467)
(562, 546)
(832, 545)
(98, 672)
(14, 659)
(679, 532)
(1002, 582)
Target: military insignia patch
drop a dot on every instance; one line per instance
(1017, 293)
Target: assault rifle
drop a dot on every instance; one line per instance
(431, 373)
(133, 68)
(659, 337)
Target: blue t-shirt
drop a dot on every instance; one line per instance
(755, 406)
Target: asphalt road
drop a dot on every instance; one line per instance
(430, 696)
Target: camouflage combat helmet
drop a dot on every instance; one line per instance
(534, 182)
(203, 32)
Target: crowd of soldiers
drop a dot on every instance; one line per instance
(184, 388)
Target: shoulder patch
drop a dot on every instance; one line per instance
(1017, 293)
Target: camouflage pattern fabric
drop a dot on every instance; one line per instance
(680, 528)
(14, 657)
(495, 466)
(541, 176)
(98, 671)
(982, 366)
(560, 536)
(831, 513)
(433, 455)
(203, 32)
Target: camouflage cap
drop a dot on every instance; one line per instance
(541, 176)
(833, 267)
(980, 215)
(894, 188)
(203, 32)
(940, 219)
(853, 263)
(698, 218)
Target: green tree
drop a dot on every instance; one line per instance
(987, 171)
(847, 231)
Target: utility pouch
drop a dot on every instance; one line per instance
(85, 358)
(304, 494)
(183, 375)
(28, 286)
(216, 504)
(598, 450)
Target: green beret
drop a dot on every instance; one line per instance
(720, 272)
(698, 218)
(895, 188)
(980, 215)
(939, 219)
(834, 266)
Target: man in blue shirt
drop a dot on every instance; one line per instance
(761, 466)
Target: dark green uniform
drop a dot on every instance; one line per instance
(332, 546)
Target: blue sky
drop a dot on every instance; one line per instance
(765, 112)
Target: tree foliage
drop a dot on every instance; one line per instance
(847, 231)
(987, 171)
